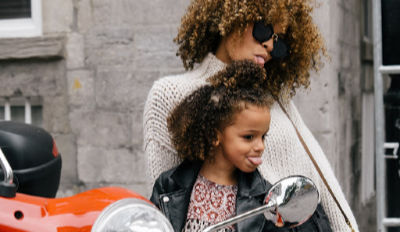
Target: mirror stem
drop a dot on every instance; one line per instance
(240, 217)
(8, 173)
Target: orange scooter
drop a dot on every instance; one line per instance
(30, 167)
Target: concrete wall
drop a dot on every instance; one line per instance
(94, 85)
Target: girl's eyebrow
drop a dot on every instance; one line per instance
(252, 131)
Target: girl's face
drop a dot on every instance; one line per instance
(241, 143)
(245, 46)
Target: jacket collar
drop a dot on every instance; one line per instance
(252, 184)
(186, 173)
(249, 184)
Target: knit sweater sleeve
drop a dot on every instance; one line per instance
(159, 153)
(335, 216)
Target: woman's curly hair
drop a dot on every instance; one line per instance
(193, 124)
(207, 21)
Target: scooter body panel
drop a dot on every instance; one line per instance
(75, 214)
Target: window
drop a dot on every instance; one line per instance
(20, 18)
(21, 109)
(15, 9)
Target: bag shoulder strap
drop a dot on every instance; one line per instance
(317, 168)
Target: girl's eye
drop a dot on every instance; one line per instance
(248, 137)
(263, 136)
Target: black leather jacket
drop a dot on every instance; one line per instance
(172, 190)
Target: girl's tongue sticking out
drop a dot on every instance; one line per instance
(255, 160)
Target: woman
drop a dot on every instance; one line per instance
(278, 35)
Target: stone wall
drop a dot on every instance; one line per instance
(94, 85)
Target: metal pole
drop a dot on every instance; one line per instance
(7, 110)
(379, 117)
(28, 111)
(390, 69)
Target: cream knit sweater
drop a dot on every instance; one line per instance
(284, 155)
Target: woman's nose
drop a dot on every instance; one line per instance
(268, 45)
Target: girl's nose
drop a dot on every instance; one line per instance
(259, 146)
(268, 45)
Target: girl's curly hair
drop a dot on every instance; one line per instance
(207, 21)
(193, 124)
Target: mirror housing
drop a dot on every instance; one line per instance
(293, 201)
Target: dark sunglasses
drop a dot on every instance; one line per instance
(262, 33)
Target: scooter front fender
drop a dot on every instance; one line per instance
(76, 213)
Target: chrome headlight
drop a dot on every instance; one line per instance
(131, 215)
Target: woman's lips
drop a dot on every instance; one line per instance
(255, 160)
(259, 60)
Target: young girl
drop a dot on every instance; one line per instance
(219, 132)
